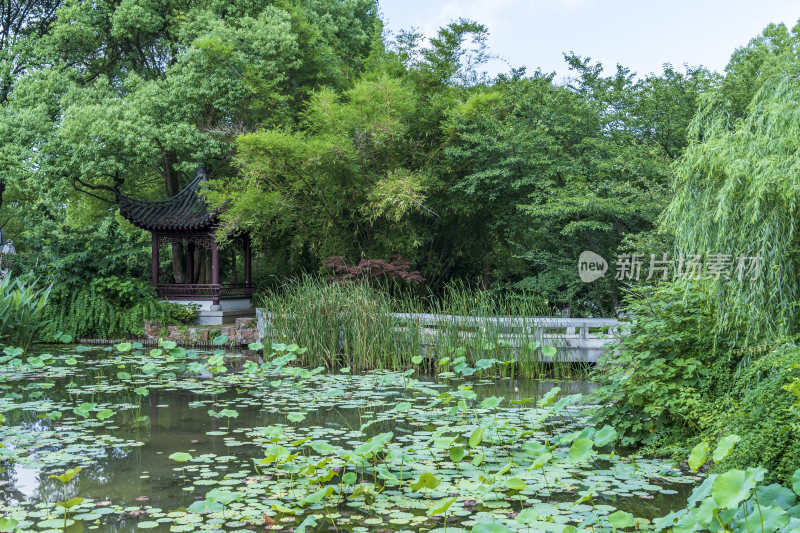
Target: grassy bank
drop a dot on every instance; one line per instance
(352, 326)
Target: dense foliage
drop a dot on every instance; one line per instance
(22, 311)
(132, 96)
(657, 383)
(761, 408)
(675, 380)
(548, 171)
(108, 308)
(326, 137)
(96, 280)
(402, 165)
(736, 184)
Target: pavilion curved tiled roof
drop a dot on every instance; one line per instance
(183, 212)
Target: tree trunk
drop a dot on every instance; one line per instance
(205, 272)
(201, 266)
(198, 263)
(233, 264)
(485, 273)
(172, 185)
(177, 263)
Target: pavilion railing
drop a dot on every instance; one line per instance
(204, 291)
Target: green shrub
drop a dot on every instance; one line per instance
(657, 383)
(182, 314)
(675, 380)
(97, 310)
(762, 410)
(22, 311)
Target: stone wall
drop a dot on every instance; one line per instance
(243, 333)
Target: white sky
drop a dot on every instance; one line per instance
(641, 35)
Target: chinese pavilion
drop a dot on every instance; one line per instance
(185, 222)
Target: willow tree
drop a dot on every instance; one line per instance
(736, 193)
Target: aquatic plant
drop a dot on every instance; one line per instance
(735, 500)
(67, 504)
(181, 457)
(8, 524)
(410, 453)
(21, 310)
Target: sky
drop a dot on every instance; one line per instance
(641, 35)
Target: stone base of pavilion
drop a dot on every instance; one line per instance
(227, 312)
(218, 318)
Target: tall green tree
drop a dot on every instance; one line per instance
(736, 187)
(131, 96)
(23, 23)
(554, 170)
(358, 177)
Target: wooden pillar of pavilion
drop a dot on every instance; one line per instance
(215, 271)
(190, 260)
(154, 259)
(247, 260)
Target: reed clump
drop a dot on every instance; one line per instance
(364, 327)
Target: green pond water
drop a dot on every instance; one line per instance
(333, 452)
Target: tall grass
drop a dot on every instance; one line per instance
(357, 326)
(340, 325)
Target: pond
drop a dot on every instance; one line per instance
(176, 440)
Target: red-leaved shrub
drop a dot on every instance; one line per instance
(373, 269)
